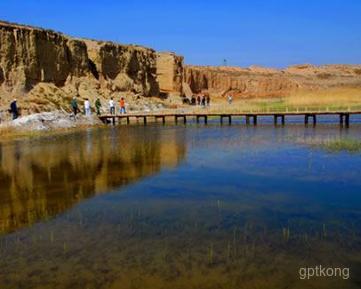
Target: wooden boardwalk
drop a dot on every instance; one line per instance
(250, 118)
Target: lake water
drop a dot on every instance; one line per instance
(181, 207)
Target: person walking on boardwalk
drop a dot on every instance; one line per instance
(74, 106)
(14, 109)
(98, 105)
(122, 106)
(208, 99)
(203, 100)
(87, 107)
(198, 99)
(111, 106)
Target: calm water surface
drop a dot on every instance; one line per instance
(180, 207)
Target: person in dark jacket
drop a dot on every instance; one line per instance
(14, 109)
(74, 106)
(208, 99)
(203, 100)
(198, 99)
(98, 105)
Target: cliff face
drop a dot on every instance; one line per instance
(170, 73)
(40, 66)
(265, 82)
(124, 68)
(29, 56)
(45, 69)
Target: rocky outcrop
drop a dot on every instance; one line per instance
(45, 69)
(170, 73)
(62, 66)
(30, 55)
(124, 68)
(265, 82)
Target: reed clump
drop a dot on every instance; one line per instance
(347, 145)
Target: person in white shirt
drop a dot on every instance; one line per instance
(87, 107)
(111, 106)
(230, 99)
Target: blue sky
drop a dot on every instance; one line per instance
(253, 32)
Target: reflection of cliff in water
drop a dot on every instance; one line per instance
(39, 179)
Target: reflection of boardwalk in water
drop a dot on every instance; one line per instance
(42, 178)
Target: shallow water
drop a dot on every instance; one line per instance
(180, 207)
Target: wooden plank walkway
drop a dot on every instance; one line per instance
(251, 117)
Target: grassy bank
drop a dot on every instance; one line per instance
(337, 99)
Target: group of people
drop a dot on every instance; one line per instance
(97, 105)
(201, 99)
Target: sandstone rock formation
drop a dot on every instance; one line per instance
(265, 82)
(170, 73)
(45, 68)
(124, 68)
(30, 55)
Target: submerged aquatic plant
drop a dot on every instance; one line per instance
(286, 233)
(347, 145)
(228, 251)
(210, 254)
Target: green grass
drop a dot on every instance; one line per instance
(347, 145)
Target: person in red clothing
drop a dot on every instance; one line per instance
(122, 105)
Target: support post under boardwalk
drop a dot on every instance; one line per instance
(276, 116)
(306, 119)
(226, 116)
(255, 119)
(180, 116)
(341, 119)
(162, 117)
(314, 119)
(347, 120)
(205, 117)
(128, 120)
(145, 120)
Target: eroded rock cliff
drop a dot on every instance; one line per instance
(45, 69)
(265, 82)
(124, 68)
(170, 73)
